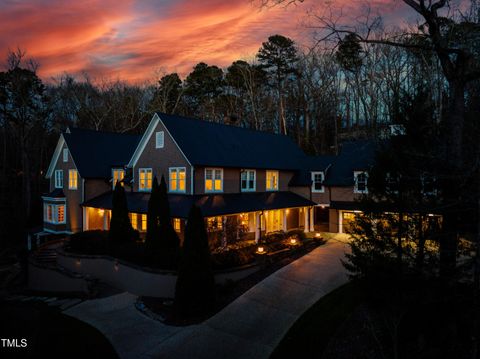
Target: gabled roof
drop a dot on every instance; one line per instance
(353, 156)
(96, 152)
(210, 204)
(213, 144)
(303, 177)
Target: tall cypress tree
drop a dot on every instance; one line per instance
(152, 240)
(195, 287)
(120, 227)
(167, 234)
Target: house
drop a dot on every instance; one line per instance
(261, 181)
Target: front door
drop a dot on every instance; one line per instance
(273, 220)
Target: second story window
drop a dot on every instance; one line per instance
(118, 175)
(65, 155)
(145, 179)
(177, 179)
(72, 179)
(317, 182)
(213, 180)
(272, 181)
(361, 178)
(429, 185)
(247, 180)
(58, 179)
(159, 139)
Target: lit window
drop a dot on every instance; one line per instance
(213, 180)
(145, 179)
(214, 224)
(177, 179)
(65, 155)
(59, 179)
(177, 225)
(72, 179)
(272, 181)
(317, 182)
(159, 139)
(247, 180)
(361, 179)
(117, 176)
(54, 213)
(142, 218)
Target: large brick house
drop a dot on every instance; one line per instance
(262, 180)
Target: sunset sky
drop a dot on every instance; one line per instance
(131, 39)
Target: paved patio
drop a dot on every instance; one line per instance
(249, 327)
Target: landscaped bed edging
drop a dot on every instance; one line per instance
(135, 279)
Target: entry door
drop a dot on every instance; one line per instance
(274, 221)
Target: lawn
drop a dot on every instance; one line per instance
(49, 333)
(311, 333)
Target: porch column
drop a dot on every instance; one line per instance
(340, 222)
(312, 219)
(305, 217)
(85, 218)
(105, 222)
(258, 226)
(284, 220)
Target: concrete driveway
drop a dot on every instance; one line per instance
(249, 327)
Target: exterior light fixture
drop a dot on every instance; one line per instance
(78, 262)
(357, 211)
(101, 211)
(293, 241)
(287, 211)
(260, 250)
(317, 235)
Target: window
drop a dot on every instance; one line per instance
(177, 179)
(177, 225)
(65, 155)
(145, 179)
(139, 221)
(361, 179)
(272, 180)
(54, 213)
(247, 180)
(58, 179)
(392, 183)
(317, 182)
(117, 176)
(72, 179)
(213, 180)
(214, 224)
(159, 139)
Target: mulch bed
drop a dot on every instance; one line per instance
(162, 308)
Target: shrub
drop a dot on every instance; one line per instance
(273, 237)
(89, 242)
(298, 234)
(231, 258)
(195, 287)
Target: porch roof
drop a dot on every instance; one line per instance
(210, 204)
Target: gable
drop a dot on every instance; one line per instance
(55, 156)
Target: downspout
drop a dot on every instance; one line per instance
(192, 173)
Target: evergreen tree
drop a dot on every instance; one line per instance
(152, 239)
(195, 287)
(120, 227)
(168, 236)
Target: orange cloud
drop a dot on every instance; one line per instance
(129, 39)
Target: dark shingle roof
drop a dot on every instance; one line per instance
(353, 156)
(56, 193)
(95, 152)
(303, 176)
(211, 205)
(213, 144)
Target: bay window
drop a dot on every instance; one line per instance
(54, 213)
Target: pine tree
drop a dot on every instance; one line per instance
(195, 288)
(120, 227)
(152, 239)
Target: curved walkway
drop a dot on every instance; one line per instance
(249, 327)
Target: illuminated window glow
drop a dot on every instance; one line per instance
(54, 213)
(213, 180)
(72, 179)
(247, 180)
(117, 176)
(272, 181)
(177, 179)
(177, 225)
(145, 179)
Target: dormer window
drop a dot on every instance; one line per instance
(65, 155)
(213, 180)
(317, 182)
(118, 174)
(159, 139)
(361, 179)
(247, 180)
